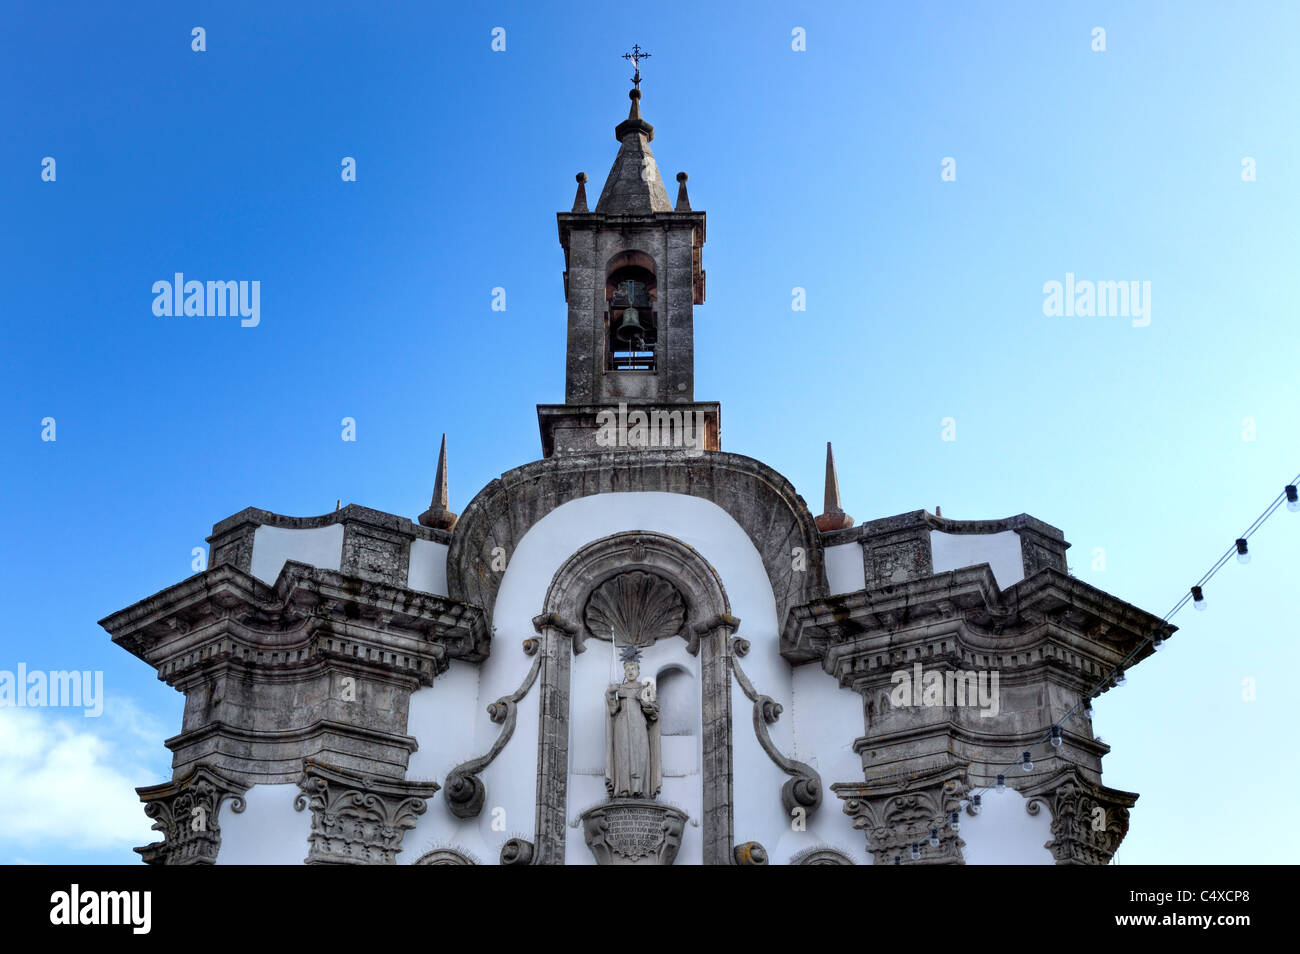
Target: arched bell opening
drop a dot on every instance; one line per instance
(631, 320)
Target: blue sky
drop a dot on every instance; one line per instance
(819, 169)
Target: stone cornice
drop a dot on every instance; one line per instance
(1050, 617)
(225, 615)
(915, 518)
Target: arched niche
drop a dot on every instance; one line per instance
(639, 582)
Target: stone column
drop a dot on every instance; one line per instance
(715, 712)
(553, 737)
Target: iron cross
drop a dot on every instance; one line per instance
(636, 56)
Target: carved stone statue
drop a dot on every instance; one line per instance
(633, 766)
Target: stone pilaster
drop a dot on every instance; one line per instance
(715, 710)
(553, 737)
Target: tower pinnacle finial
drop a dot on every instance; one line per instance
(438, 516)
(834, 518)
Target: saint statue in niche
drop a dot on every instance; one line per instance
(633, 768)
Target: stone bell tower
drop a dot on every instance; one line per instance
(632, 279)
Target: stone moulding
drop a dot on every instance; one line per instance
(1089, 820)
(465, 791)
(804, 789)
(897, 815)
(357, 820)
(186, 810)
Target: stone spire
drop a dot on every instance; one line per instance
(683, 200)
(580, 200)
(834, 518)
(634, 185)
(438, 516)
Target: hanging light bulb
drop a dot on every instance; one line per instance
(1198, 598)
(916, 850)
(1292, 500)
(1120, 678)
(975, 804)
(934, 838)
(1055, 737)
(1157, 642)
(1001, 785)
(1026, 763)
(1243, 555)
(898, 859)
(954, 821)
(1087, 707)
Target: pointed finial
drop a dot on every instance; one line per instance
(634, 122)
(683, 200)
(834, 518)
(938, 511)
(438, 516)
(580, 200)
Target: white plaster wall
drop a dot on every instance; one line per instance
(845, 572)
(272, 546)
(1001, 551)
(1003, 833)
(826, 721)
(451, 726)
(428, 567)
(268, 831)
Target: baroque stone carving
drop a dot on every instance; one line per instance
(633, 831)
(635, 608)
(1088, 821)
(804, 789)
(821, 856)
(517, 851)
(908, 812)
(185, 810)
(465, 790)
(357, 820)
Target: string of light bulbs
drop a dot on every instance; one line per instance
(1196, 596)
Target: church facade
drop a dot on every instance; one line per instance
(637, 649)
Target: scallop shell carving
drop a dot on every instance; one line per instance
(636, 608)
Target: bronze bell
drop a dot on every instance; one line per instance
(630, 327)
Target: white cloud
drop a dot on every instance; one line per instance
(69, 781)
